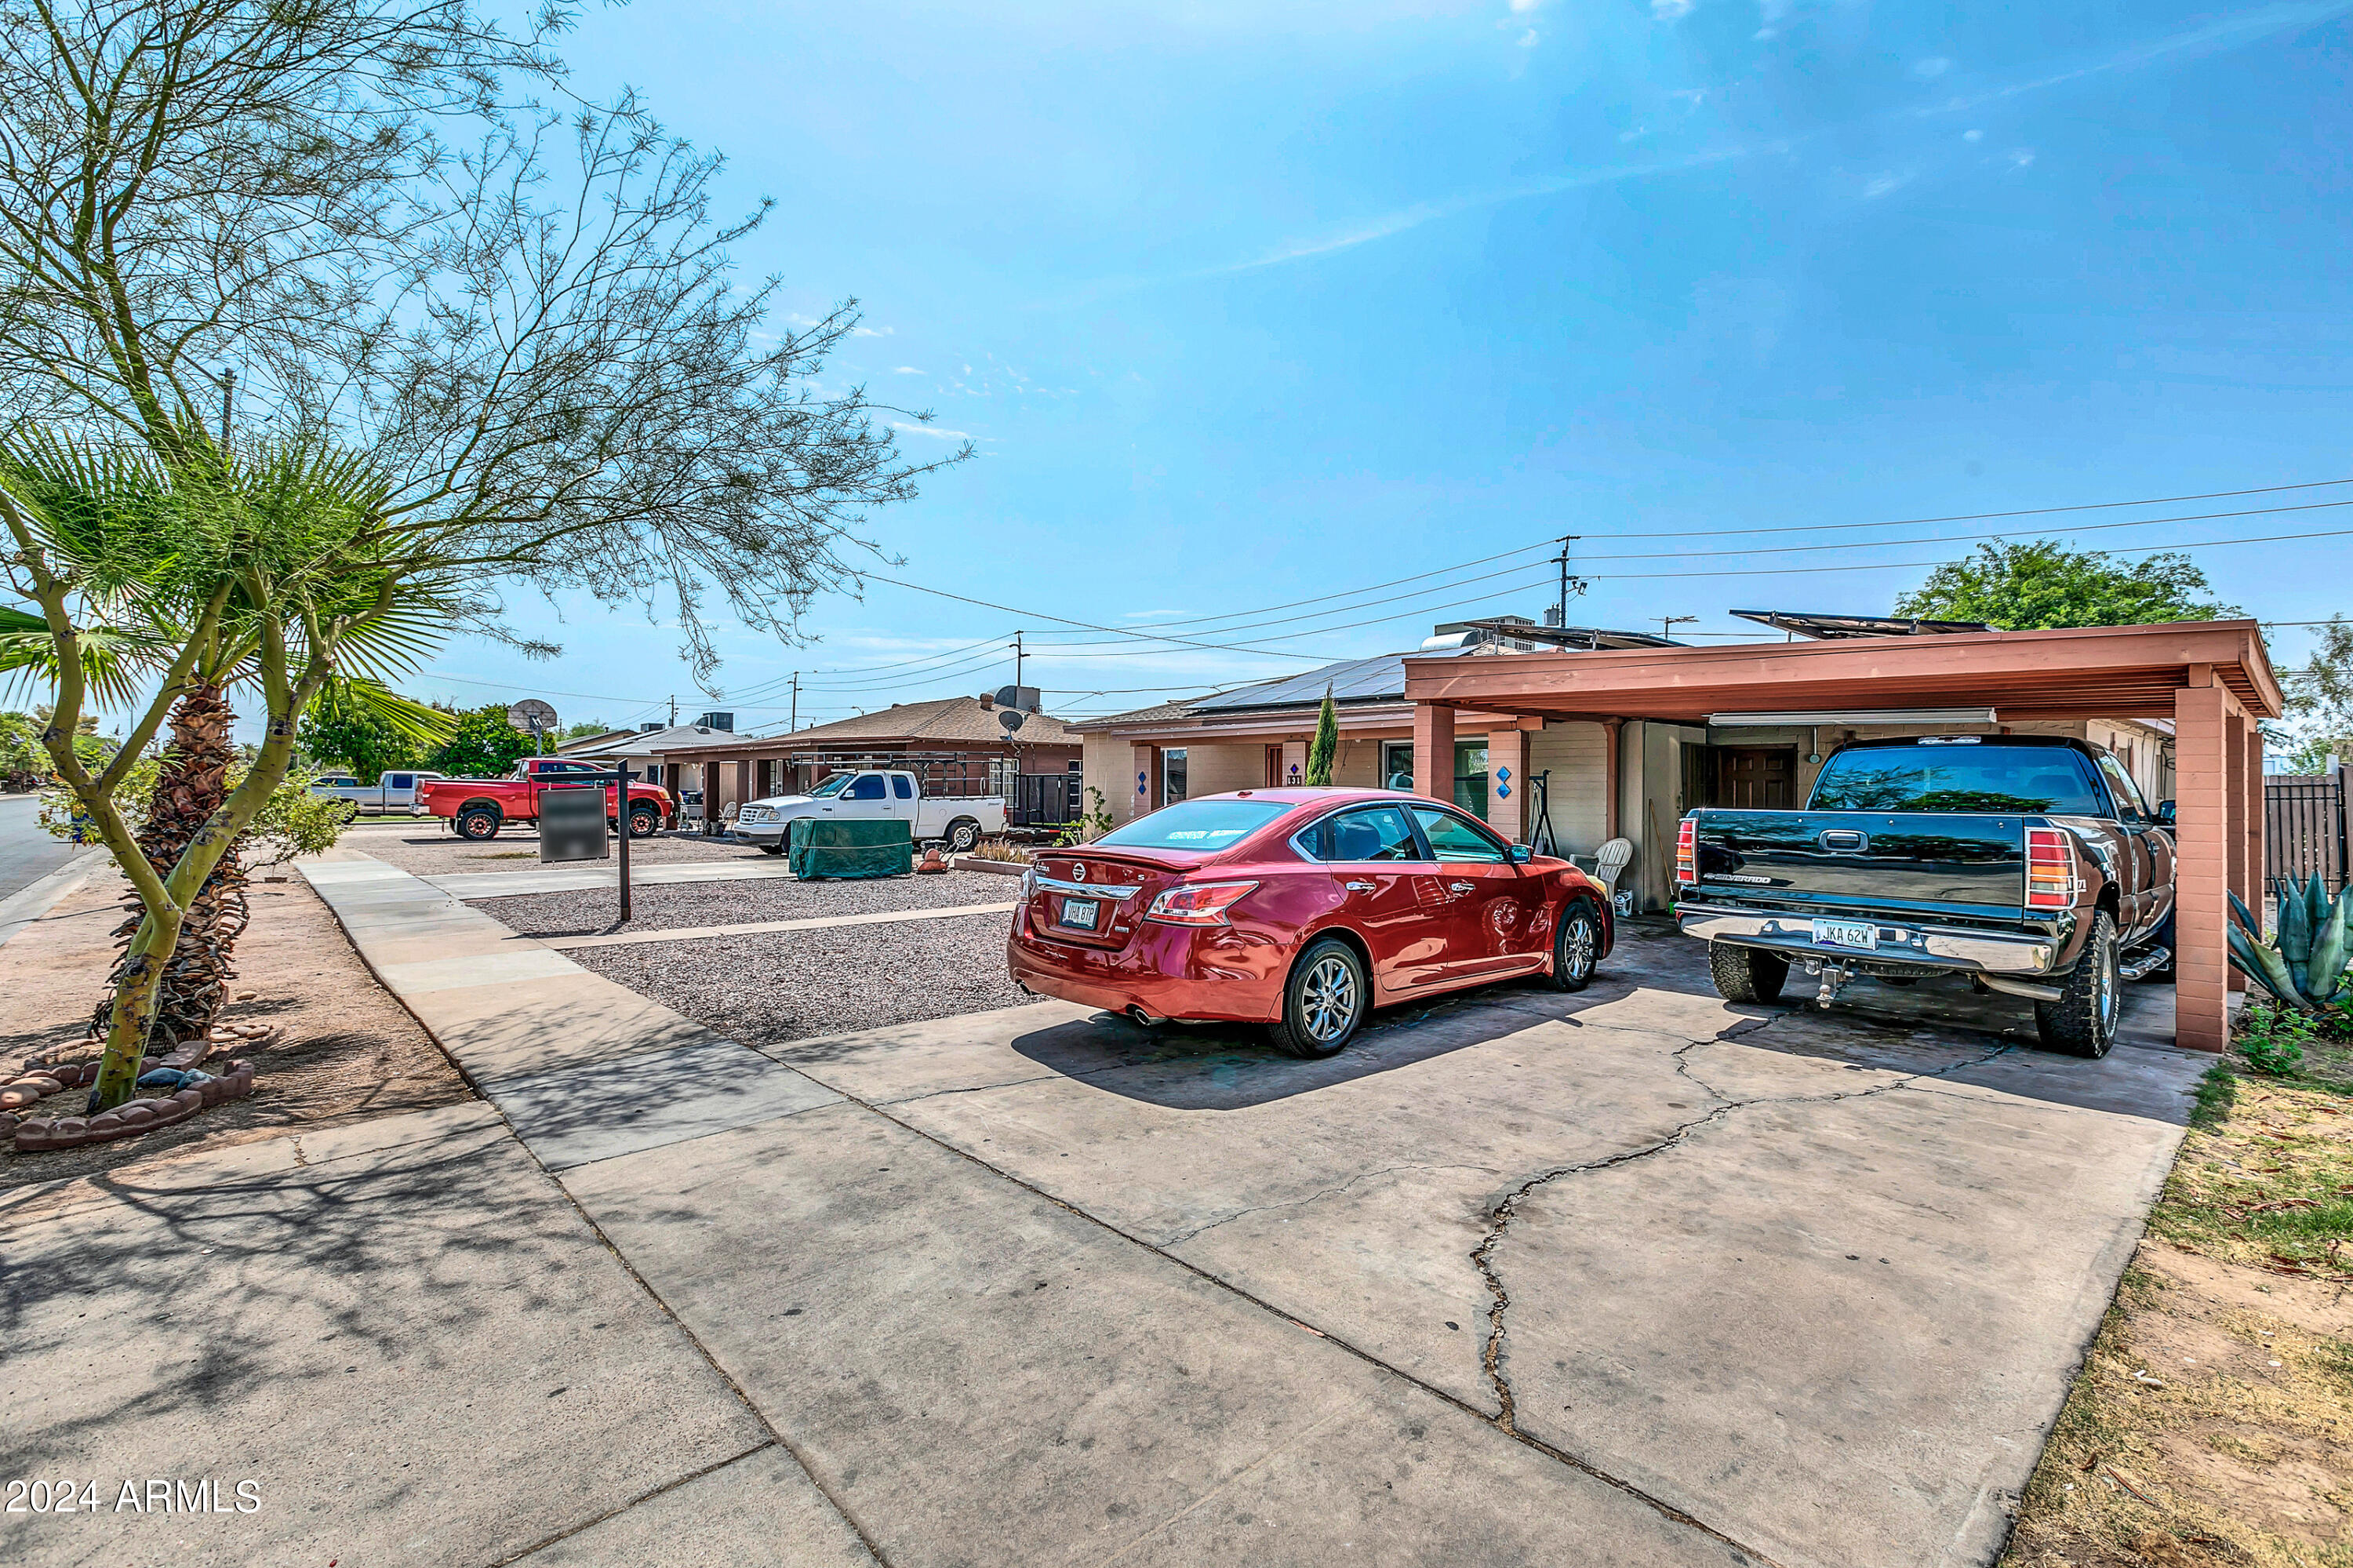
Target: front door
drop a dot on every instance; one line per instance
(1755, 778)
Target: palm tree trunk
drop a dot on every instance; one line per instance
(189, 987)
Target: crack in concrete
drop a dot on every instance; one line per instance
(1311, 1197)
(1500, 1216)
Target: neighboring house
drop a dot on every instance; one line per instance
(1607, 776)
(957, 746)
(651, 750)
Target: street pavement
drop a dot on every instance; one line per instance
(1631, 1276)
(26, 853)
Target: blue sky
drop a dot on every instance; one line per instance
(1246, 304)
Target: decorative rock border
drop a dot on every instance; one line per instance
(133, 1117)
(41, 1077)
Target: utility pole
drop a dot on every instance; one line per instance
(1017, 667)
(1566, 541)
(793, 724)
(1667, 624)
(673, 713)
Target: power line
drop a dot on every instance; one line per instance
(1969, 538)
(1901, 565)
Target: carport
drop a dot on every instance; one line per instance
(2212, 679)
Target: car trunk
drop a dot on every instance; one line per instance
(1148, 871)
(1930, 864)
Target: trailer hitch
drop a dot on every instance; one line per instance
(1835, 978)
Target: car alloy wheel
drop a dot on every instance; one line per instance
(1579, 947)
(1329, 999)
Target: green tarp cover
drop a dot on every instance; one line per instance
(865, 848)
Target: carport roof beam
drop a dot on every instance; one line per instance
(1857, 715)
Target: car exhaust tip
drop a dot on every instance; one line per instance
(1144, 1020)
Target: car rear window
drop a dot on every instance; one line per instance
(1207, 825)
(1956, 778)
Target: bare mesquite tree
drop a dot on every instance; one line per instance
(499, 342)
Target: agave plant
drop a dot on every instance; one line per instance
(2305, 968)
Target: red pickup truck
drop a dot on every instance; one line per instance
(478, 808)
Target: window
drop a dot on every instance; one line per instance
(400, 780)
(830, 787)
(1470, 777)
(1453, 840)
(2129, 804)
(903, 787)
(865, 787)
(1172, 776)
(1370, 834)
(1204, 825)
(1956, 778)
(1397, 765)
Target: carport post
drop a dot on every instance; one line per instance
(2236, 734)
(1433, 751)
(2203, 791)
(1507, 774)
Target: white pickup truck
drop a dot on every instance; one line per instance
(403, 790)
(958, 821)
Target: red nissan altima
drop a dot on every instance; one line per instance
(1299, 909)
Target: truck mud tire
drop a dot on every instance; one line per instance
(1324, 1001)
(644, 821)
(1575, 946)
(964, 836)
(1746, 974)
(2083, 1022)
(476, 823)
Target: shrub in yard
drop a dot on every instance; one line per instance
(2274, 1039)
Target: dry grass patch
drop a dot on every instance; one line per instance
(2212, 1423)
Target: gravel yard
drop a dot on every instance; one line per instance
(794, 984)
(660, 907)
(427, 849)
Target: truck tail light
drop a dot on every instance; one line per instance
(1687, 851)
(2049, 869)
(1197, 904)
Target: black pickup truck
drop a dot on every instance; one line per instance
(2028, 865)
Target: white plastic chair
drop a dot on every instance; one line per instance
(1610, 864)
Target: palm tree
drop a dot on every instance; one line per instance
(233, 573)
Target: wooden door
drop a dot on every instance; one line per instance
(1756, 777)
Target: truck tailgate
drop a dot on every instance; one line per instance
(1927, 863)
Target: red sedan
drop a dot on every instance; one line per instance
(1299, 909)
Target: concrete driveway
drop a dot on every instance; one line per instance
(1811, 1287)
(1631, 1277)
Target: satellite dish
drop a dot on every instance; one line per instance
(531, 717)
(1020, 699)
(1010, 718)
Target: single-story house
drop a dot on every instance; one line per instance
(956, 745)
(651, 750)
(1616, 736)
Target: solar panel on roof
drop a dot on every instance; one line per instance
(1351, 680)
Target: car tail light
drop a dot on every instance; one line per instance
(2049, 869)
(1687, 851)
(1196, 904)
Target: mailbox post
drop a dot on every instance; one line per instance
(572, 822)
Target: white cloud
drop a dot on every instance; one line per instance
(1931, 68)
(1972, 135)
(869, 332)
(931, 430)
(2021, 157)
(1880, 185)
(1526, 6)
(1670, 10)
(1526, 40)
(909, 370)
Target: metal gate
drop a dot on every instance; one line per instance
(2305, 828)
(1042, 799)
